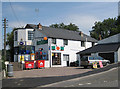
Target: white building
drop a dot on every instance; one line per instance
(61, 45)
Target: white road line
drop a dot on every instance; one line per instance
(88, 83)
(80, 84)
(77, 78)
(105, 81)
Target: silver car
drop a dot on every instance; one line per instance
(89, 60)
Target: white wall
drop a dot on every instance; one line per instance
(23, 34)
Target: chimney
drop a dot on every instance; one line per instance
(39, 26)
(81, 34)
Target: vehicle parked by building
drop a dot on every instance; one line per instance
(89, 60)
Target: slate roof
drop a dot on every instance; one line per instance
(61, 33)
(113, 47)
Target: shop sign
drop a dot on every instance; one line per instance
(41, 42)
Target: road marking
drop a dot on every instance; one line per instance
(80, 84)
(105, 81)
(48, 85)
(88, 83)
(19, 84)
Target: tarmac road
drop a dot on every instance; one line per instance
(104, 79)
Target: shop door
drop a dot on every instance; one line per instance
(56, 58)
(66, 58)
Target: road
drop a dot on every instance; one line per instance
(104, 79)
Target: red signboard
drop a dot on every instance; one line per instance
(29, 64)
(100, 63)
(40, 63)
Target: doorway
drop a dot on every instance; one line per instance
(66, 58)
(56, 58)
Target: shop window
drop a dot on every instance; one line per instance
(16, 35)
(65, 42)
(82, 44)
(54, 41)
(30, 35)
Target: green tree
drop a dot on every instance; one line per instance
(71, 26)
(105, 29)
(10, 43)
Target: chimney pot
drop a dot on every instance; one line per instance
(81, 34)
(39, 26)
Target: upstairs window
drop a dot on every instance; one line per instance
(54, 41)
(65, 42)
(30, 35)
(82, 44)
(16, 35)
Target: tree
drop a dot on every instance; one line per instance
(10, 43)
(106, 28)
(71, 26)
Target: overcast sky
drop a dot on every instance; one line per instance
(83, 14)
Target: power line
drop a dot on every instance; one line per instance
(14, 13)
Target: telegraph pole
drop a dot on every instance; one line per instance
(5, 22)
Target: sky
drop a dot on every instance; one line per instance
(82, 14)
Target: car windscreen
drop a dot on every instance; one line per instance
(84, 59)
(95, 58)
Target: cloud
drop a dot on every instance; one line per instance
(84, 22)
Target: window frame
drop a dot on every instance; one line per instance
(16, 35)
(65, 42)
(30, 35)
(53, 40)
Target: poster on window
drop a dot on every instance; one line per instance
(32, 56)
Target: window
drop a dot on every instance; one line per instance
(30, 35)
(93, 43)
(54, 41)
(65, 57)
(82, 44)
(16, 36)
(65, 42)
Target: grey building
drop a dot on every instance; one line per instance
(108, 48)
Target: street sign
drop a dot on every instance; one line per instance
(21, 43)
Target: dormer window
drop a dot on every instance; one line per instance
(54, 41)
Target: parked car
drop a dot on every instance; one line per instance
(89, 60)
(74, 64)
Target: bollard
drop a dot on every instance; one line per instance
(10, 70)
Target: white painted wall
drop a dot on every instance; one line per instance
(23, 34)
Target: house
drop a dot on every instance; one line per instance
(26, 36)
(108, 48)
(60, 46)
